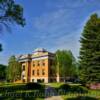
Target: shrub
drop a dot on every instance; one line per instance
(78, 89)
(12, 88)
(73, 89)
(28, 86)
(31, 86)
(65, 87)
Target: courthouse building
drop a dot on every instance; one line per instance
(37, 67)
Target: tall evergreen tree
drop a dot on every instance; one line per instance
(90, 51)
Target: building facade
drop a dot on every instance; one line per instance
(37, 67)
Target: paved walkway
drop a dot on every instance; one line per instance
(54, 98)
(51, 94)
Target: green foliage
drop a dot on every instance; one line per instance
(12, 88)
(82, 98)
(0, 47)
(65, 63)
(65, 87)
(31, 86)
(90, 51)
(24, 95)
(2, 72)
(11, 12)
(29, 91)
(79, 89)
(14, 69)
(21, 87)
(73, 88)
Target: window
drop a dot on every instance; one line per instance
(42, 80)
(38, 63)
(23, 76)
(39, 80)
(43, 72)
(37, 72)
(33, 64)
(23, 80)
(43, 62)
(32, 80)
(33, 72)
(23, 67)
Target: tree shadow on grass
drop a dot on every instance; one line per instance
(73, 89)
(22, 98)
(82, 98)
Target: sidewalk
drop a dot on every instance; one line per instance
(53, 94)
(54, 98)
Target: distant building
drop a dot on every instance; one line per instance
(36, 67)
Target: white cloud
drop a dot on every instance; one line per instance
(59, 30)
(55, 23)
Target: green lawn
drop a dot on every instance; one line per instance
(12, 91)
(91, 95)
(55, 85)
(11, 84)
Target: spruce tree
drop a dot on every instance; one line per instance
(90, 51)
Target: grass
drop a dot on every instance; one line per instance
(55, 85)
(16, 90)
(11, 84)
(68, 96)
(92, 93)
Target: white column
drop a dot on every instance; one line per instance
(46, 80)
(58, 78)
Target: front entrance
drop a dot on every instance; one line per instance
(40, 80)
(23, 80)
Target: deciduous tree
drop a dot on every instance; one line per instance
(65, 63)
(13, 70)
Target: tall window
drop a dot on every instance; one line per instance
(43, 62)
(38, 63)
(23, 76)
(32, 80)
(37, 72)
(33, 64)
(43, 72)
(23, 67)
(23, 80)
(33, 72)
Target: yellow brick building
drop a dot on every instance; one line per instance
(36, 67)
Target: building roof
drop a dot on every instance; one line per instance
(40, 50)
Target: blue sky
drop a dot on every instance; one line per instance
(50, 24)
